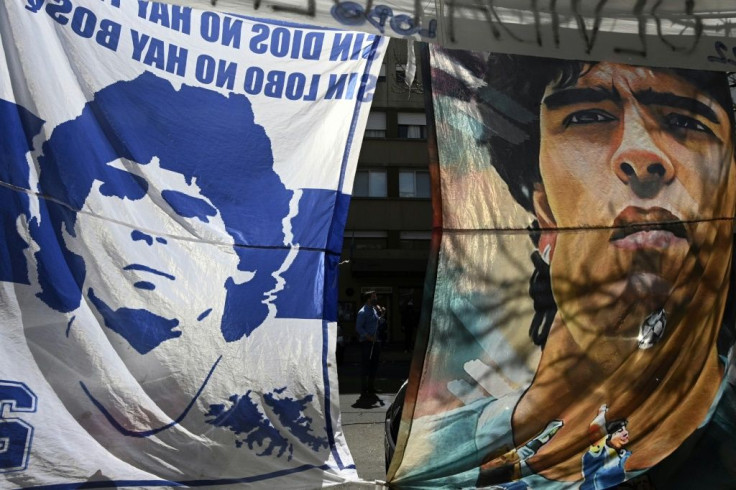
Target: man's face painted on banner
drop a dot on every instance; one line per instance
(620, 438)
(627, 145)
(145, 286)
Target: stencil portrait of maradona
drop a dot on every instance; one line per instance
(162, 258)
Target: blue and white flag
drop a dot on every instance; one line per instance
(174, 187)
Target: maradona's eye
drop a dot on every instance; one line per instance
(589, 116)
(676, 120)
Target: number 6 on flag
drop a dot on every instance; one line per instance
(15, 434)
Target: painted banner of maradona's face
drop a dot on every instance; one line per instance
(645, 156)
(600, 356)
(636, 168)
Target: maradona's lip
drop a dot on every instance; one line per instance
(637, 228)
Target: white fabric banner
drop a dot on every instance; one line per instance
(672, 33)
(174, 186)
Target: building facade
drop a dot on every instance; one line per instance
(388, 229)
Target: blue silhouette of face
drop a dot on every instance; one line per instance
(159, 236)
(145, 282)
(196, 169)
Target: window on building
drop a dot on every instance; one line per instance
(376, 127)
(412, 125)
(382, 73)
(370, 183)
(366, 240)
(415, 240)
(400, 71)
(413, 183)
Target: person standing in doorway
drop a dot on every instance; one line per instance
(371, 318)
